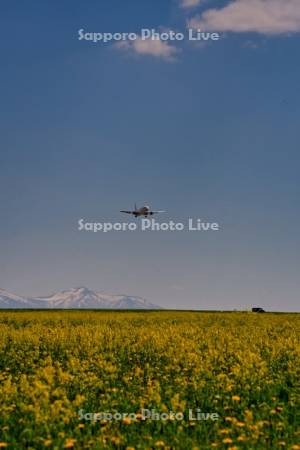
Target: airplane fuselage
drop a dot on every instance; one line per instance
(144, 211)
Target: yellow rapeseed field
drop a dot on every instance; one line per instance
(220, 380)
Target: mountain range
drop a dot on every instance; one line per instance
(75, 298)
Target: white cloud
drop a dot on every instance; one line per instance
(189, 3)
(261, 16)
(156, 48)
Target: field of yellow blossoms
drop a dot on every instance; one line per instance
(61, 372)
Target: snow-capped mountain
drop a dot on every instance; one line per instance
(9, 300)
(75, 298)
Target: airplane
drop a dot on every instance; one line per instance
(144, 211)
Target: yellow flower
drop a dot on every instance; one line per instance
(159, 443)
(248, 415)
(47, 442)
(295, 447)
(81, 425)
(115, 440)
(227, 440)
(3, 444)
(138, 371)
(240, 424)
(241, 438)
(224, 431)
(236, 398)
(70, 443)
(126, 420)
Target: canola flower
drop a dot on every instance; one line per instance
(241, 366)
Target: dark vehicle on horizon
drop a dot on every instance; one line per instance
(258, 310)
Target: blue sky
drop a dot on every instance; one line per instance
(213, 132)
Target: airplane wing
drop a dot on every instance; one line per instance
(127, 212)
(156, 212)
